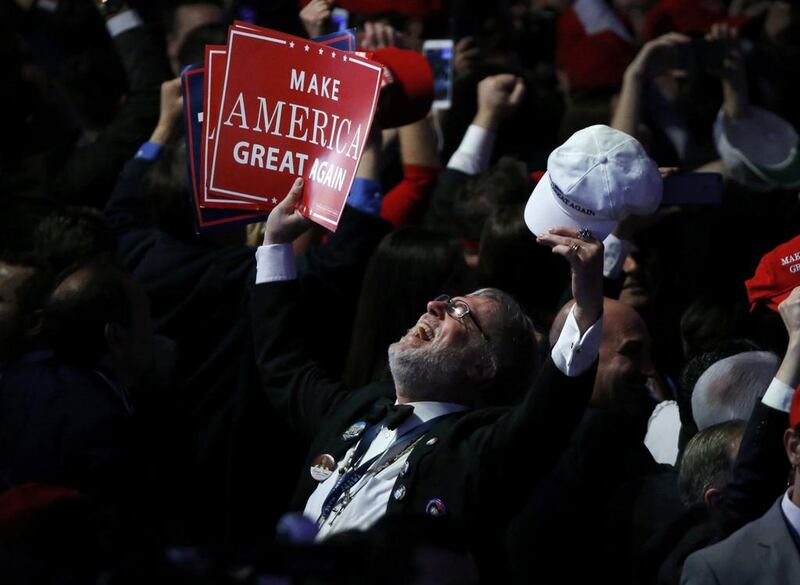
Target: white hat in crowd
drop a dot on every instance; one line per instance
(593, 180)
(759, 149)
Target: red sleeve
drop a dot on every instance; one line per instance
(406, 202)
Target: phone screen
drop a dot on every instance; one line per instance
(339, 18)
(440, 59)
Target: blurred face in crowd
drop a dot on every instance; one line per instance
(187, 18)
(441, 356)
(635, 287)
(130, 352)
(625, 360)
(12, 319)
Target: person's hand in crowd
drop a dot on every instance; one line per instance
(657, 57)
(379, 35)
(789, 310)
(499, 96)
(585, 257)
(732, 72)
(315, 16)
(465, 56)
(661, 55)
(778, 23)
(285, 223)
(171, 110)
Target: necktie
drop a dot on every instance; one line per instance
(396, 414)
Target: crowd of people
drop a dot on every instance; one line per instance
(555, 337)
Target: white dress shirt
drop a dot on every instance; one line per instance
(371, 494)
(473, 154)
(791, 511)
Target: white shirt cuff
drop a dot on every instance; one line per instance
(596, 16)
(116, 25)
(474, 152)
(275, 263)
(614, 253)
(573, 354)
(778, 395)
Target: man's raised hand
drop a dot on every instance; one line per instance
(585, 257)
(499, 96)
(285, 223)
(170, 113)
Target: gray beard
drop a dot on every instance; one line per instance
(426, 375)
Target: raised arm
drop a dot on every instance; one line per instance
(94, 167)
(499, 96)
(655, 58)
(409, 198)
(541, 426)
(297, 388)
(761, 468)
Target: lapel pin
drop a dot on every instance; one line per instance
(355, 430)
(322, 467)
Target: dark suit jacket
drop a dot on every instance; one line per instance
(763, 552)
(200, 296)
(478, 463)
(64, 426)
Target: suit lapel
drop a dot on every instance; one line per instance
(782, 554)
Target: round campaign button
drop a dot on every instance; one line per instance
(322, 467)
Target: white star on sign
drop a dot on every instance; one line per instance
(333, 54)
(344, 57)
(291, 44)
(320, 51)
(307, 48)
(274, 200)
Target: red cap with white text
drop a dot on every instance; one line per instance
(777, 275)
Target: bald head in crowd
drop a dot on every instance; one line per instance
(625, 360)
(728, 389)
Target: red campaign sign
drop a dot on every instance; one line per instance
(216, 60)
(291, 107)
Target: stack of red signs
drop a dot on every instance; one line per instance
(278, 107)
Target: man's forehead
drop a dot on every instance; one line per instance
(479, 303)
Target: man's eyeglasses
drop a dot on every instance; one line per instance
(458, 309)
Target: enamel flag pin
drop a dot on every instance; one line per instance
(355, 430)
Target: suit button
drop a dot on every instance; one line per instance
(400, 493)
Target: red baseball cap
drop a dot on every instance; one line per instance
(777, 274)
(407, 89)
(794, 411)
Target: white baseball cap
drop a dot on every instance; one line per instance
(760, 150)
(593, 180)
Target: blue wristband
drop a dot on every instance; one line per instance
(366, 195)
(148, 151)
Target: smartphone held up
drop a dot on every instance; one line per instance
(439, 53)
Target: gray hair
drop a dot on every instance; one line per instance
(512, 347)
(728, 389)
(708, 461)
